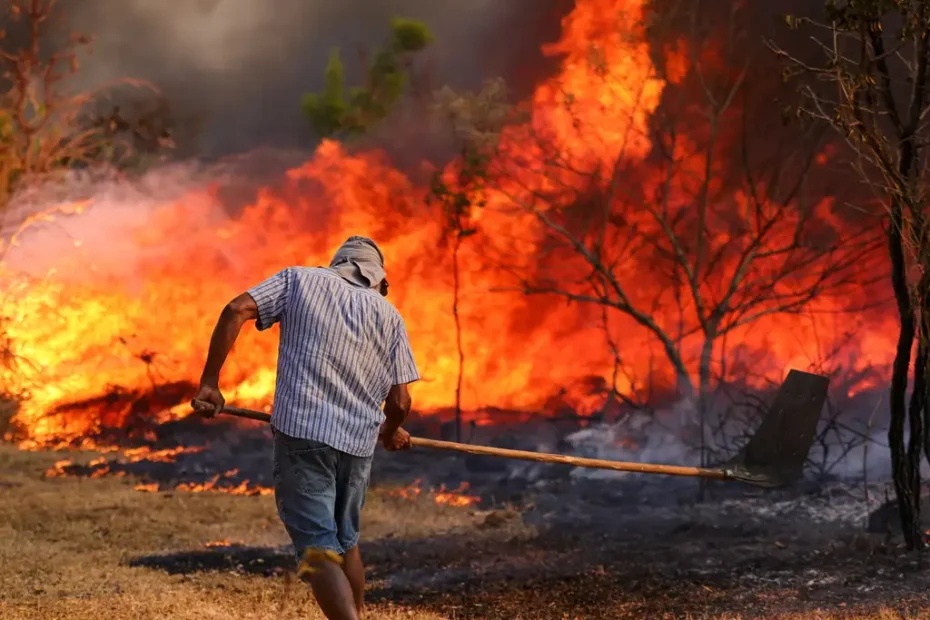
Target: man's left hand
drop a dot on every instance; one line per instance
(395, 440)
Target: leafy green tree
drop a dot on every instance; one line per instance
(871, 84)
(338, 111)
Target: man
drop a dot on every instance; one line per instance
(343, 353)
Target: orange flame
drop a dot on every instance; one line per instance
(59, 469)
(441, 496)
(135, 317)
(212, 485)
(455, 497)
(144, 453)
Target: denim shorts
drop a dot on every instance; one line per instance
(319, 492)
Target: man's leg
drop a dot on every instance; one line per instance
(354, 570)
(305, 493)
(352, 477)
(333, 592)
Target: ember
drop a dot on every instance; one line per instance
(60, 468)
(220, 543)
(141, 315)
(214, 485)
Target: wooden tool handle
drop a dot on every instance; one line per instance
(575, 461)
(247, 413)
(525, 455)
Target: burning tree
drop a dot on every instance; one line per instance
(871, 85)
(654, 202)
(476, 124)
(45, 130)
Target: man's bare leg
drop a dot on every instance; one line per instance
(354, 570)
(333, 591)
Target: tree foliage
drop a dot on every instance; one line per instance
(347, 112)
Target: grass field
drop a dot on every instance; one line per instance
(70, 549)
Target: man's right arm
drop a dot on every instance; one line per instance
(264, 304)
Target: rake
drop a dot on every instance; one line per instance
(773, 457)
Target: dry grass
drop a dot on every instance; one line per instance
(883, 614)
(65, 547)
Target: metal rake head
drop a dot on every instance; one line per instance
(775, 455)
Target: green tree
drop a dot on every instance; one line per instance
(871, 84)
(338, 111)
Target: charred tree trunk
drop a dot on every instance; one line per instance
(921, 391)
(905, 467)
(921, 395)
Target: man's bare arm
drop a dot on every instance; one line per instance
(232, 318)
(396, 408)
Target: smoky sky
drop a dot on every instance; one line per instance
(241, 66)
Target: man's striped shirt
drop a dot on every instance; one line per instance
(342, 347)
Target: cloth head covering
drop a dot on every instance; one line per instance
(359, 261)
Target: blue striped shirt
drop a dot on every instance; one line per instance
(342, 347)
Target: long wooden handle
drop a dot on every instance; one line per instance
(525, 455)
(575, 461)
(247, 413)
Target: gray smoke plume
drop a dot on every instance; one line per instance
(241, 66)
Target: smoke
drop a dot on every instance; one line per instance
(850, 443)
(239, 67)
(101, 242)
